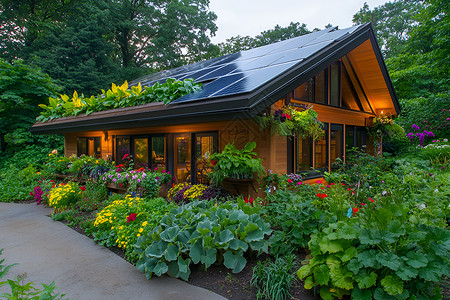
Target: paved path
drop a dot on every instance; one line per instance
(50, 251)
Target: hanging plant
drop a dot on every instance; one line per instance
(292, 121)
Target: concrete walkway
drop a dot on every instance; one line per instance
(50, 251)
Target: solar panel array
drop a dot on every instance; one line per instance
(245, 71)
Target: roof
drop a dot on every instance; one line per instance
(244, 83)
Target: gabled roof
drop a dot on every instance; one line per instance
(244, 83)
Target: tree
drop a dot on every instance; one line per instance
(77, 54)
(159, 34)
(392, 21)
(277, 34)
(22, 88)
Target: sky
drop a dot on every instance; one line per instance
(251, 17)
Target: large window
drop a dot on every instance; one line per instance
(321, 150)
(314, 90)
(191, 162)
(142, 149)
(336, 142)
(90, 146)
(355, 136)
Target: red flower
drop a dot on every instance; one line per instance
(83, 188)
(288, 116)
(213, 162)
(52, 180)
(31, 194)
(249, 200)
(343, 184)
(125, 156)
(332, 183)
(40, 181)
(371, 200)
(322, 188)
(355, 210)
(289, 180)
(321, 195)
(349, 189)
(119, 166)
(362, 204)
(131, 217)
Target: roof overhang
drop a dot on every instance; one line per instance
(243, 105)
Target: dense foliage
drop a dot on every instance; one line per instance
(116, 97)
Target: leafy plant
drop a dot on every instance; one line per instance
(116, 97)
(378, 255)
(273, 279)
(291, 121)
(64, 196)
(202, 232)
(22, 290)
(236, 164)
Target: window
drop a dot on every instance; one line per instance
(123, 144)
(90, 146)
(321, 150)
(303, 154)
(190, 159)
(313, 90)
(335, 95)
(355, 136)
(140, 146)
(158, 148)
(336, 142)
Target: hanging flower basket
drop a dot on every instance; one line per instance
(292, 121)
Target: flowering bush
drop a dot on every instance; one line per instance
(290, 121)
(64, 195)
(420, 135)
(142, 182)
(124, 220)
(184, 193)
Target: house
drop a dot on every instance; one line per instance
(340, 72)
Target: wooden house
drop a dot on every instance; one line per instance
(340, 72)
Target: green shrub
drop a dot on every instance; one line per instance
(202, 232)
(386, 248)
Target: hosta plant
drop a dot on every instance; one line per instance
(202, 232)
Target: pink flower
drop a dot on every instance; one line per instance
(298, 183)
(319, 181)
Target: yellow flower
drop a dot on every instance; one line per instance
(140, 230)
(138, 235)
(144, 223)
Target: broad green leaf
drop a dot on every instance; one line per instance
(349, 253)
(330, 246)
(359, 294)
(347, 232)
(196, 252)
(169, 235)
(366, 280)
(236, 262)
(433, 272)
(366, 237)
(159, 269)
(309, 283)
(321, 274)
(333, 261)
(407, 272)
(389, 260)
(171, 252)
(236, 244)
(341, 278)
(416, 260)
(304, 271)
(367, 258)
(156, 249)
(209, 257)
(225, 236)
(392, 284)
(183, 264)
(325, 293)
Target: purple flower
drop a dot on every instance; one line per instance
(139, 181)
(410, 135)
(415, 127)
(157, 178)
(114, 180)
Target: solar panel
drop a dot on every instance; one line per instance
(253, 79)
(245, 71)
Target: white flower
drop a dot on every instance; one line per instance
(384, 193)
(436, 191)
(422, 206)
